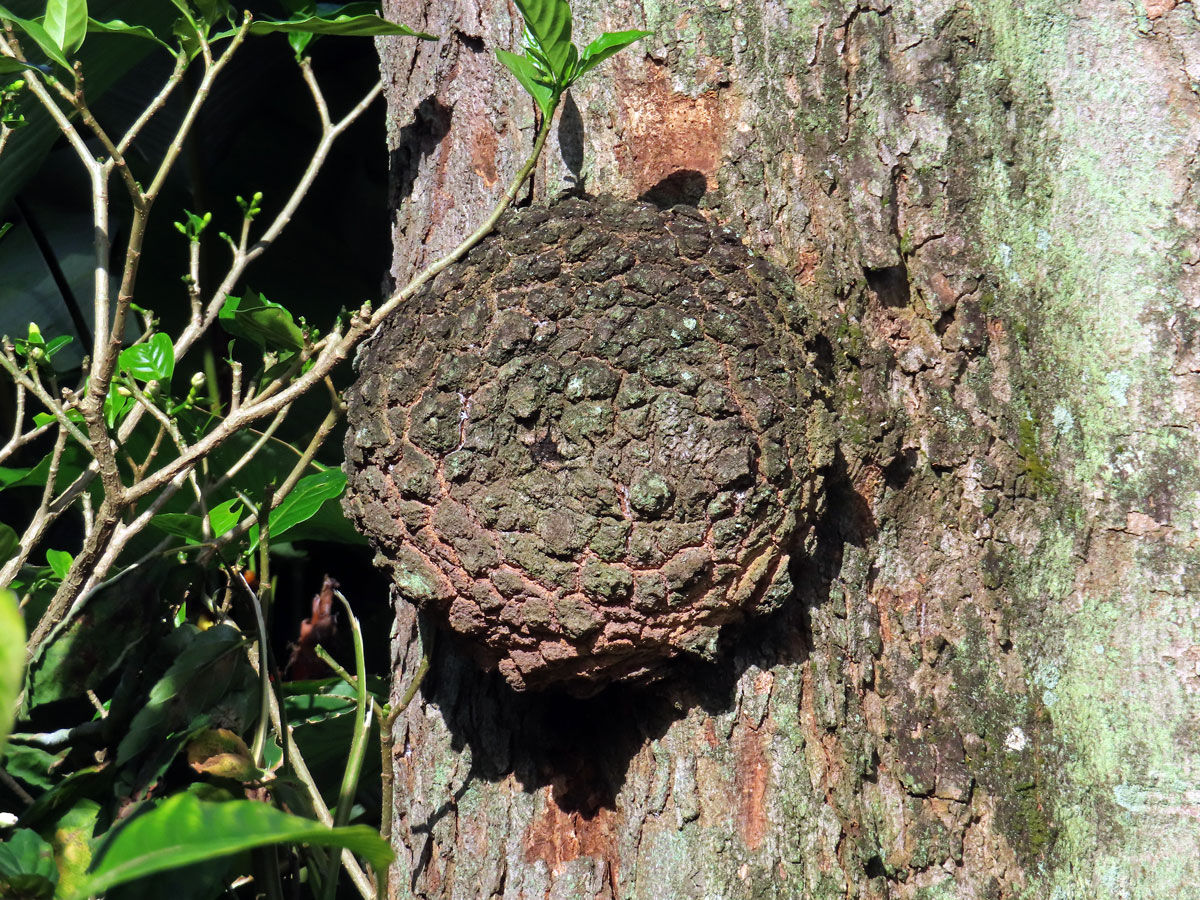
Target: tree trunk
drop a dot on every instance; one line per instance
(989, 683)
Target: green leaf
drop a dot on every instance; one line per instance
(56, 344)
(184, 830)
(605, 46)
(151, 361)
(299, 40)
(549, 22)
(9, 66)
(27, 869)
(74, 460)
(12, 661)
(59, 562)
(224, 516)
(523, 70)
(196, 680)
(93, 645)
(116, 26)
(183, 7)
(223, 754)
(72, 844)
(344, 25)
(181, 525)
(48, 45)
(306, 498)
(66, 23)
(32, 765)
(265, 324)
(45, 418)
(115, 406)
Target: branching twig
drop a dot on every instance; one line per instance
(41, 518)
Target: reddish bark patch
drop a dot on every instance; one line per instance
(667, 132)
(804, 269)
(483, 154)
(752, 778)
(1156, 9)
(558, 836)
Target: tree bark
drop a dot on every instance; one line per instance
(989, 684)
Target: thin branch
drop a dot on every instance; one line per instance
(338, 669)
(245, 458)
(243, 257)
(339, 345)
(294, 476)
(116, 159)
(211, 70)
(105, 354)
(296, 760)
(34, 81)
(315, 89)
(9, 364)
(165, 422)
(160, 99)
(41, 518)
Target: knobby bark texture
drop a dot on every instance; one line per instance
(988, 682)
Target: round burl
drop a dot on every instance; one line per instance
(590, 444)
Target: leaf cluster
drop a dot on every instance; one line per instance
(551, 62)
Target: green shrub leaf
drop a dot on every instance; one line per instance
(184, 830)
(306, 498)
(35, 31)
(224, 516)
(116, 26)
(9, 540)
(59, 562)
(9, 66)
(27, 869)
(151, 361)
(12, 661)
(181, 525)
(524, 71)
(263, 323)
(549, 23)
(605, 46)
(344, 25)
(196, 680)
(66, 23)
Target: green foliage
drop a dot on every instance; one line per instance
(194, 226)
(151, 361)
(199, 678)
(66, 23)
(38, 34)
(552, 63)
(265, 324)
(27, 870)
(309, 495)
(184, 829)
